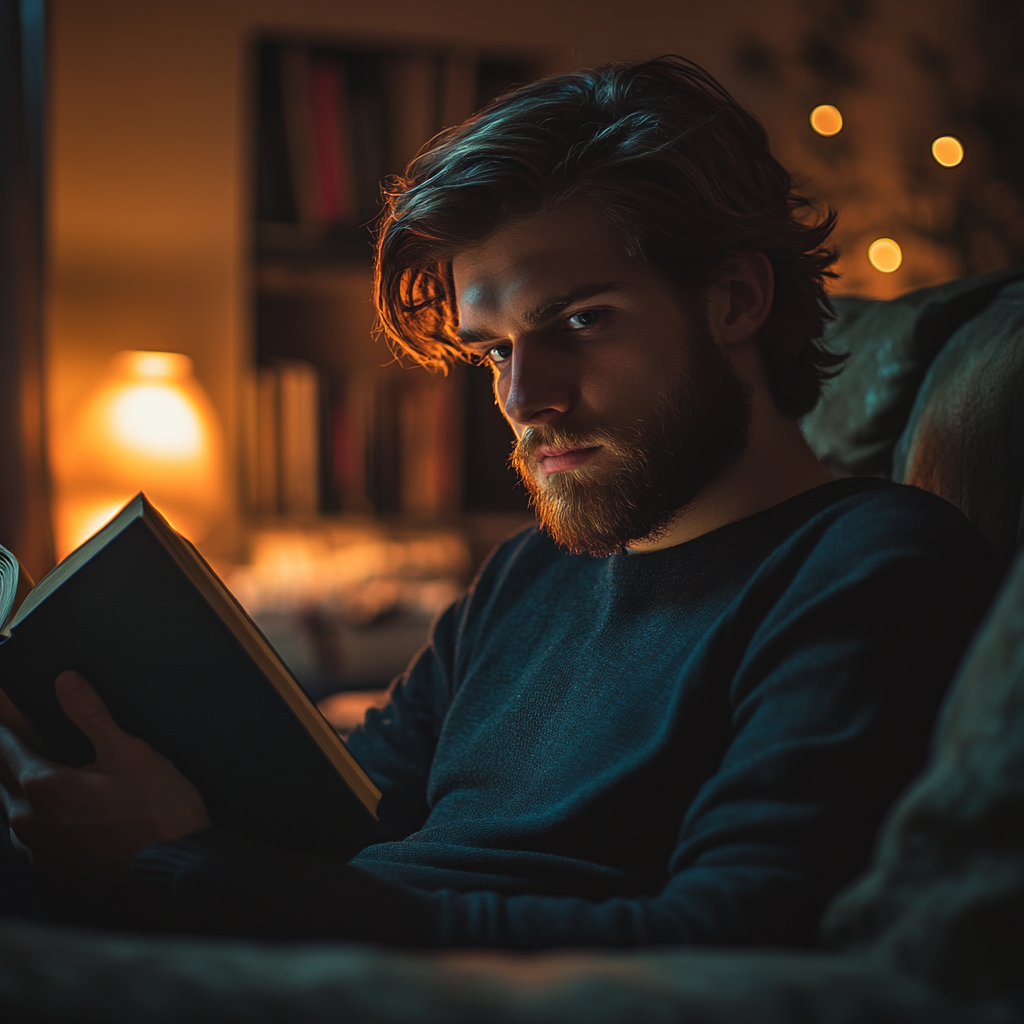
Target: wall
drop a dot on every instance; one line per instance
(150, 172)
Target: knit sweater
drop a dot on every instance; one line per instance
(693, 745)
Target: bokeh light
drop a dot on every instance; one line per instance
(948, 150)
(826, 120)
(156, 420)
(885, 255)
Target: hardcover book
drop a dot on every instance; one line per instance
(180, 664)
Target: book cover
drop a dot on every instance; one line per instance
(138, 612)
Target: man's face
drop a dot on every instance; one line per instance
(623, 405)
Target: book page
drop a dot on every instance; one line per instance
(55, 577)
(8, 587)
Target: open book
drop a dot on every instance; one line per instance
(180, 664)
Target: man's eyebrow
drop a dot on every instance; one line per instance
(540, 314)
(546, 310)
(470, 336)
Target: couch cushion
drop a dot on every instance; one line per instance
(863, 411)
(965, 437)
(52, 976)
(945, 898)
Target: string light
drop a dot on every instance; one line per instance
(826, 120)
(948, 150)
(885, 255)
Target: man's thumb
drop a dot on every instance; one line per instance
(84, 706)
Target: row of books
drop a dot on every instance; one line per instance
(376, 443)
(347, 119)
(284, 466)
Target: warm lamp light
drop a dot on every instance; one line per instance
(148, 426)
(885, 255)
(948, 150)
(826, 120)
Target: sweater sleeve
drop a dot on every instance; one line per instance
(395, 745)
(832, 704)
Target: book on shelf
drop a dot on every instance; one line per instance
(180, 664)
(332, 141)
(315, 103)
(299, 437)
(286, 463)
(413, 87)
(348, 118)
(430, 445)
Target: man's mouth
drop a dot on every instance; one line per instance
(557, 459)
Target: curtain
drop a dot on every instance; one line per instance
(24, 481)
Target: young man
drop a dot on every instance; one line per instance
(677, 712)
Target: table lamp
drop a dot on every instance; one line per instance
(147, 426)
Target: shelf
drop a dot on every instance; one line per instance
(306, 244)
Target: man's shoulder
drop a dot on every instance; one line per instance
(888, 522)
(890, 514)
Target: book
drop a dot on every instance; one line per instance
(315, 103)
(331, 137)
(413, 88)
(287, 451)
(180, 664)
(430, 437)
(298, 387)
(301, 132)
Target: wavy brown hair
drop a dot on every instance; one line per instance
(681, 170)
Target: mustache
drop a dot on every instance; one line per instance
(525, 451)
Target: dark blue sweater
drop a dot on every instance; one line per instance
(695, 745)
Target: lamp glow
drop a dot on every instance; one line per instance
(826, 120)
(154, 420)
(149, 427)
(885, 255)
(948, 150)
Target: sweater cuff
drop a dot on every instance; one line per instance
(214, 882)
(162, 869)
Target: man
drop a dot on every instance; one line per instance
(677, 712)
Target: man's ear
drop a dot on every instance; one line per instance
(739, 300)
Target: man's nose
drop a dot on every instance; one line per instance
(538, 389)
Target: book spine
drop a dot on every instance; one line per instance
(295, 81)
(328, 103)
(267, 456)
(430, 442)
(299, 404)
(458, 88)
(414, 106)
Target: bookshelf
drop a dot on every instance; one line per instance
(332, 119)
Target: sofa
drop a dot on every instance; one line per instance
(932, 395)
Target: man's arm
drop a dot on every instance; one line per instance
(832, 709)
(396, 745)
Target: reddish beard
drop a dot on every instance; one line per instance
(644, 475)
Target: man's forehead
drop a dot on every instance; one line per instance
(537, 261)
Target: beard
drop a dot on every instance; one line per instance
(647, 473)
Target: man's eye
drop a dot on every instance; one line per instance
(585, 318)
(499, 353)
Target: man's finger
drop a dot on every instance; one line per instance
(12, 718)
(85, 707)
(21, 760)
(10, 793)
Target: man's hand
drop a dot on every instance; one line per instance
(88, 823)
